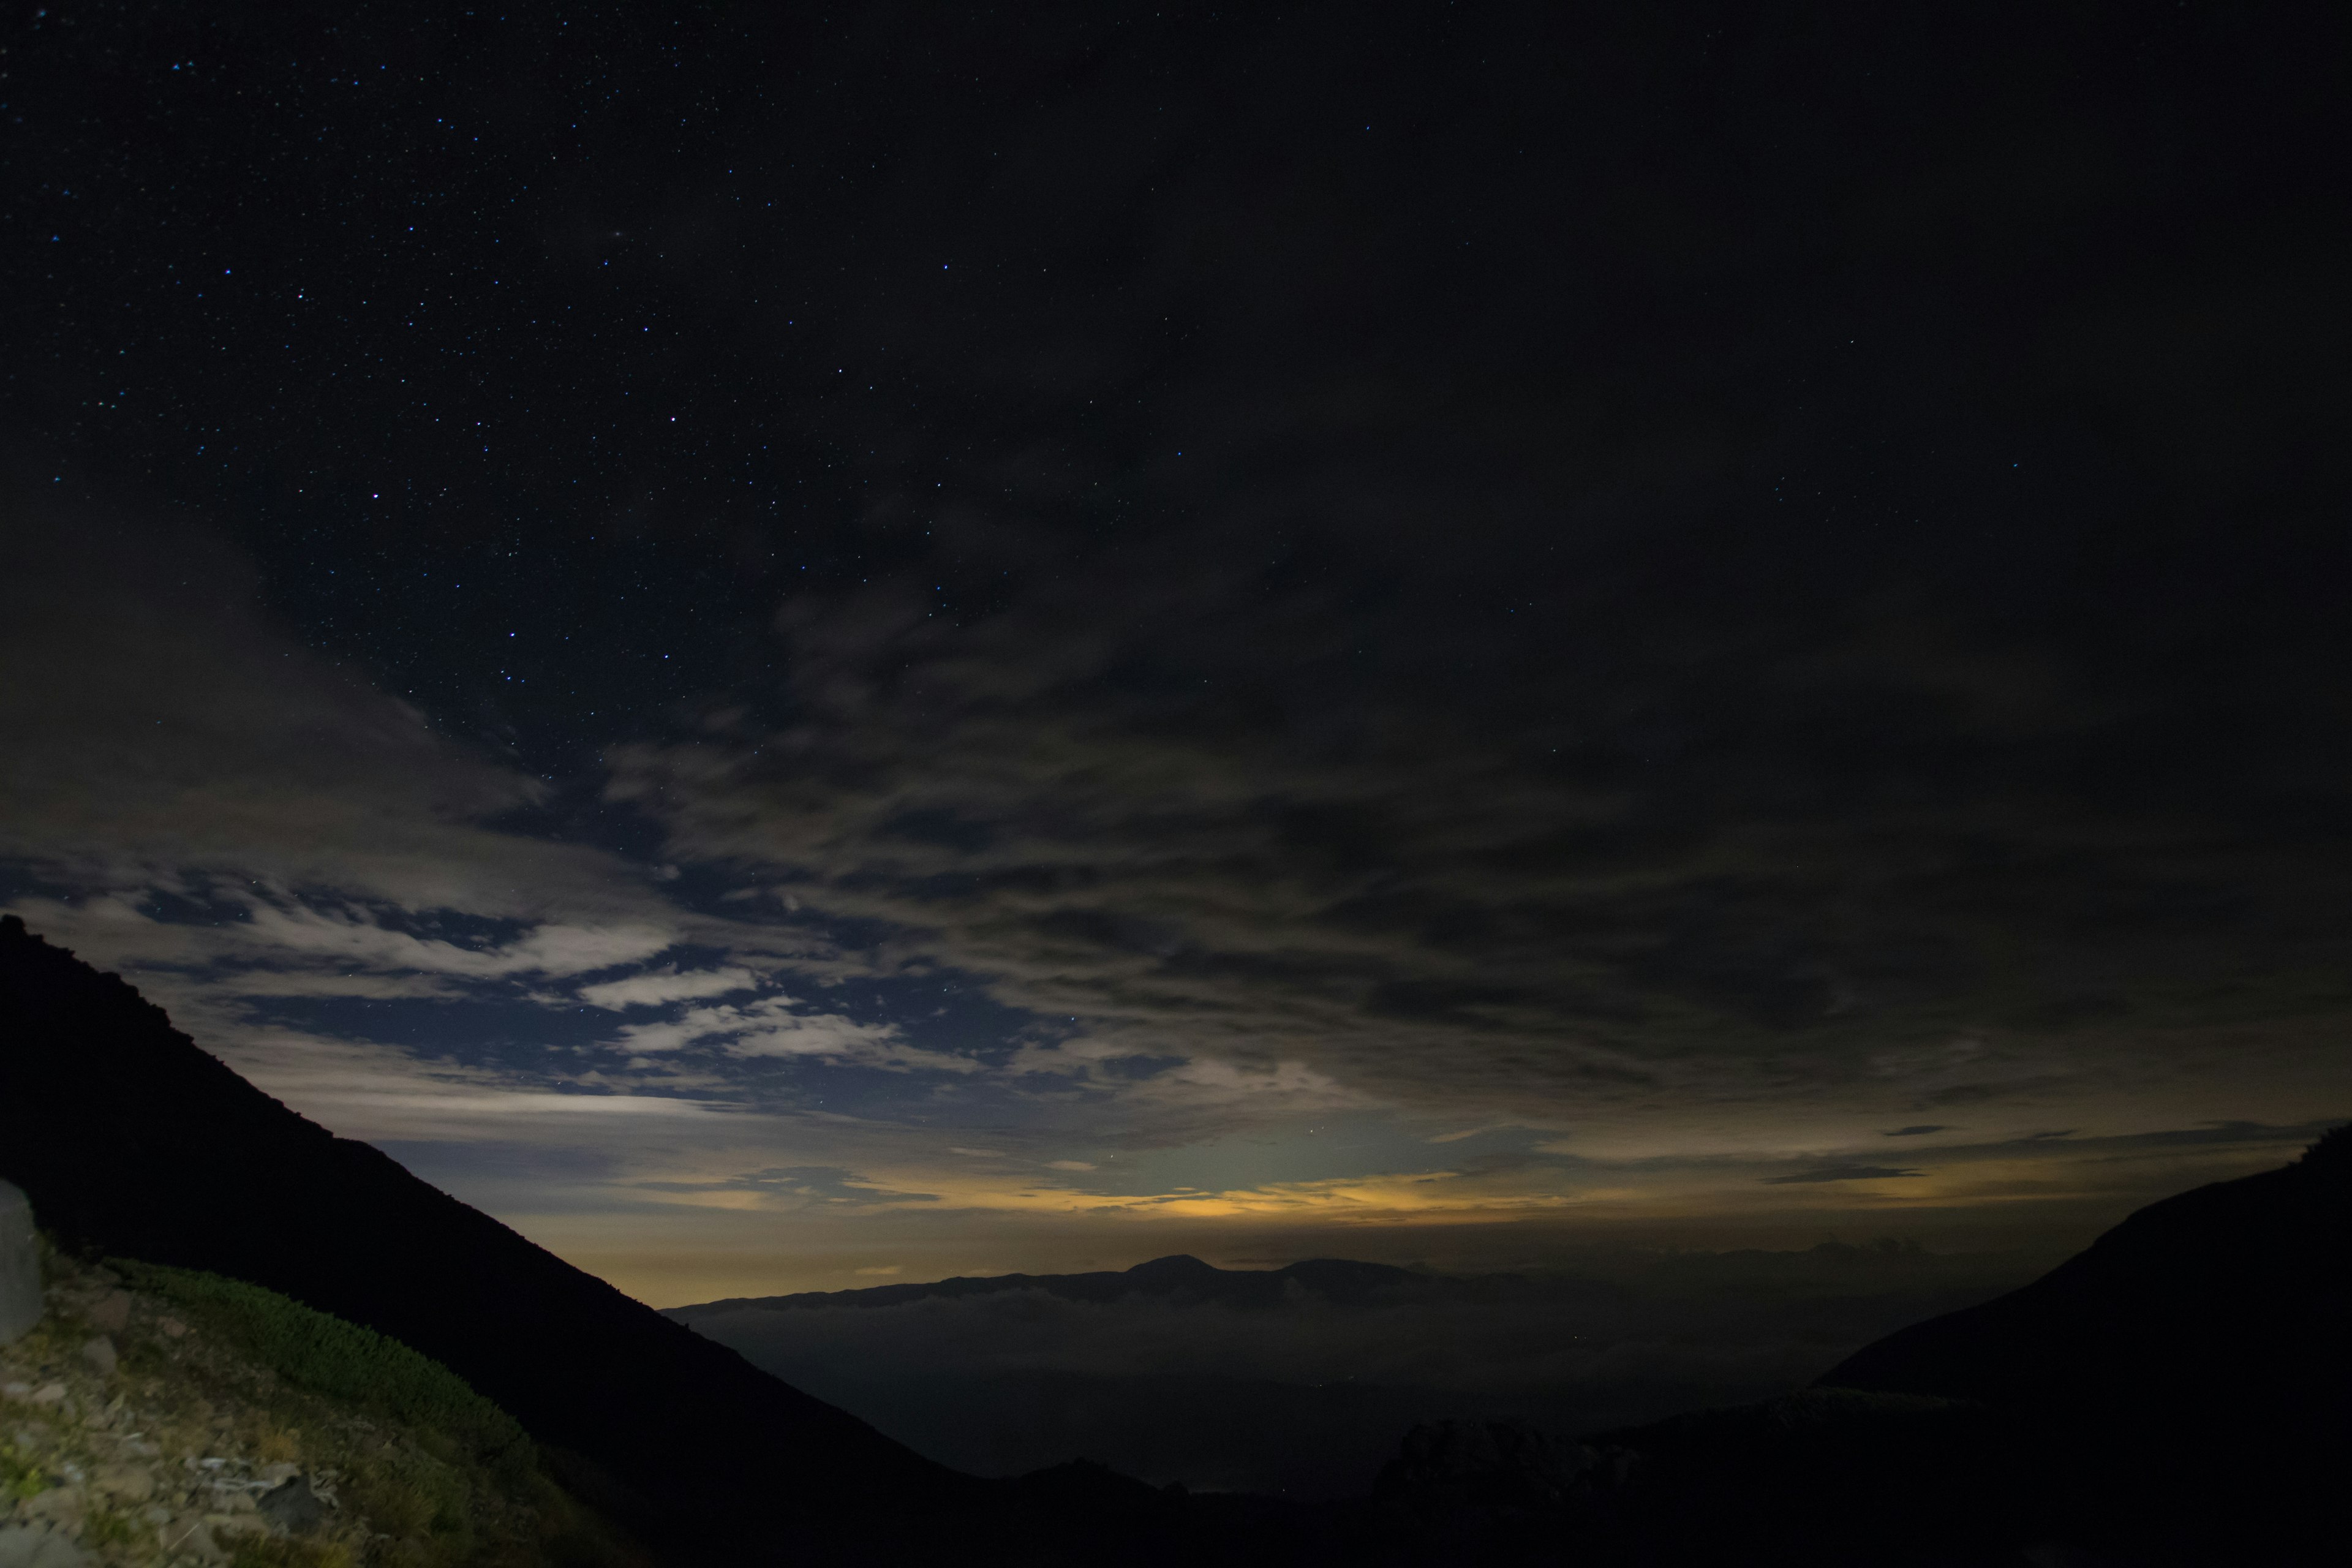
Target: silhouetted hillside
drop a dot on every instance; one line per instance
(2175, 1395)
(2188, 1379)
(131, 1141)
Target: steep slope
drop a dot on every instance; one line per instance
(131, 1141)
(2176, 1396)
(2189, 1376)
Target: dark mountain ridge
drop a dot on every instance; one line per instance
(1179, 1276)
(2253, 1274)
(131, 1141)
(2175, 1397)
(2187, 1380)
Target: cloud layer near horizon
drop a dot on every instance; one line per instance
(1168, 979)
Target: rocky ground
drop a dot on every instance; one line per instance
(134, 1432)
(122, 1441)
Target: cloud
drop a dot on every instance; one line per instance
(1242, 827)
(654, 989)
(1374, 903)
(1921, 1130)
(777, 1027)
(791, 1187)
(299, 930)
(1841, 1174)
(367, 1091)
(1459, 1135)
(1321, 652)
(160, 727)
(198, 799)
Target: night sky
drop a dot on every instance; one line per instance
(792, 646)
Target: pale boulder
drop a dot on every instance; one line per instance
(20, 1266)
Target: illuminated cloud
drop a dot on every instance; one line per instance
(654, 989)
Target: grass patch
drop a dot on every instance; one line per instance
(108, 1527)
(341, 1361)
(20, 1478)
(282, 1551)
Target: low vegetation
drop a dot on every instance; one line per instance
(217, 1392)
(327, 1356)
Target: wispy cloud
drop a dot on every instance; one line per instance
(791, 1187)
(652, 989)
(1841, 1174)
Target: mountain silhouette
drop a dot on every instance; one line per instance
(2187, 1380)
(132, 1141)
(1181, 1278)
(2175, 1397)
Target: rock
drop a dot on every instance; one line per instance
(20, 1266)
(172, 1328)
(61, 1506)
(47, 1394)
(125, 1483)
(100, 1353)
(191, 1538)
(112, 1313)
(293, 1508)
(32, 1546)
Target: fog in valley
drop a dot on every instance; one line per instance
(1308, 1392)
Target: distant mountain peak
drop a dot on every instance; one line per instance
(1337, 1280)
(1175, 1265)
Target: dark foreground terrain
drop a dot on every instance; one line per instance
(2176, 1394)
